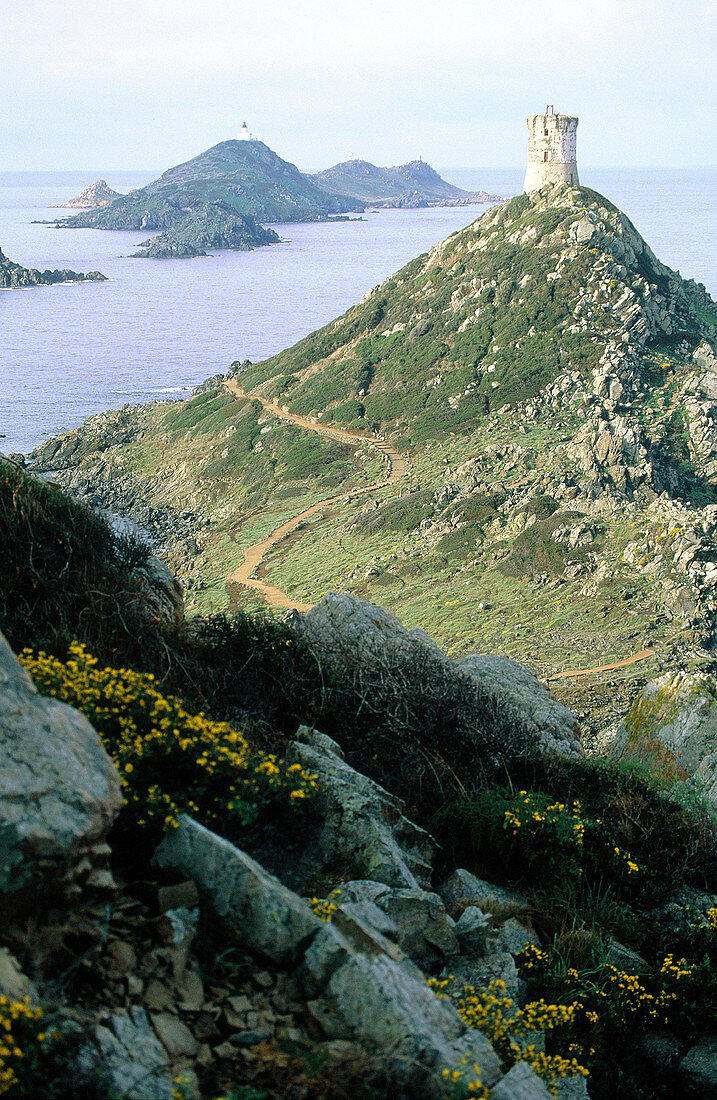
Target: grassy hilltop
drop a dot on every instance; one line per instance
(552, 384)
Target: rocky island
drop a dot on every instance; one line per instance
(410, 185)
(219, 198)
(220, 195)
(14, 275)
(97, 194)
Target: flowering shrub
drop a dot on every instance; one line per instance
(324, 908)
(170, 761)
(24, 1046)
(512, 1030)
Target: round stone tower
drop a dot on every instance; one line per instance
(551, 150)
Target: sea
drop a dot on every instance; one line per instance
(157, 328)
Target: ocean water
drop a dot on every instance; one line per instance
(158, 327)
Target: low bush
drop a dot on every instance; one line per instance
(170, 761)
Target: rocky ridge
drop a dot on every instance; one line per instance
(414, 184)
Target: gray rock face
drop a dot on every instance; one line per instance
(345, 628)
(270, 918)
(472, 930)
(59, 790)
(388, 1006)
(479, 973)
(131, 1056)
(699, 1067)
(673, 723)
(521, 700)
(463, 889)
(520, 1083)
(364, 827)
(425, 931)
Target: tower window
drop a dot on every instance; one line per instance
(546, 156)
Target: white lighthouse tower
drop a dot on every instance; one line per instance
(244, 134)
(552, 143)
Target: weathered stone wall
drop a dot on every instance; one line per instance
(552, 156)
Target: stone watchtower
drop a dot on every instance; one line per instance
(551, 150)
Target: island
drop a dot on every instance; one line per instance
(219, 198)
(14, 275)
(414, 184)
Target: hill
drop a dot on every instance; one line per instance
(234, 179)
(407, 185)
(14, 275)
(452, 889)
(97, 194)
(551, 384)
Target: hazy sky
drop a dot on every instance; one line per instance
(121, 84)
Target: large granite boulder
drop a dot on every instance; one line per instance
(516, 708)
(59, 790)
(363, 827)
(672, 725)
(269, 917)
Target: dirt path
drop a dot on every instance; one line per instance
(253, 555)
(641, 656)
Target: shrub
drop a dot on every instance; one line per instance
(170, 761)
(64, 573)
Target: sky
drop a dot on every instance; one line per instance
(122, 84)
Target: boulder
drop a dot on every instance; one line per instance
(270, 918)
(523, 703)
(698, 1068)
(59, 790)
(129, 1055)
(521, 1083)
(472, 930)
(363, 826)
(479, 973)
(386, 1005)
(463, 889)
(516, 707)
(511, 936)
(672, 725)
(425, 931)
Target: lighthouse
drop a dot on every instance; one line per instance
(552, 143)
(244, 134)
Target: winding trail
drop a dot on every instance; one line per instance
(397, 466)
(641, 656)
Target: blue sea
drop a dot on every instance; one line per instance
(156, 328)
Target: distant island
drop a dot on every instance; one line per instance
(14, 275)
(414, 184)
(97, 194)
(219, 198)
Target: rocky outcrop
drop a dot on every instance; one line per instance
(59, 794)
(97, 194)
(358, 984)
(269, 917)
(672, 725)
(14, 275)
(363, 826)
(346, 630)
